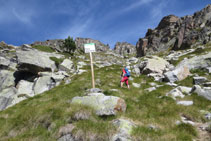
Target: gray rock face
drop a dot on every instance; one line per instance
(55, 44)
(4, 62)
(124, 48)
(204, 92)
(6, 79)
(5, 102)
(43, 84)
(179, 33)
(25, 87)
(100, 47)
(35, 61)
(104, 105)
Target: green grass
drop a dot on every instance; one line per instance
(40, 117)
(57, 60)
(43, 48)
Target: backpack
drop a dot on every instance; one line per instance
(127, 72)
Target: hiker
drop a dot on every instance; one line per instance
(125, 75)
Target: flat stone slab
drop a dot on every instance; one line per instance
(199, 80)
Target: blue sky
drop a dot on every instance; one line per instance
(26, 21)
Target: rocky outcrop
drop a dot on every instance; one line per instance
(100, 47)
(178, 74)
(197, 62)
(35, 61)
(56, 44)
(6, 79)
(124, 48)
(177, 33)
(103, 105)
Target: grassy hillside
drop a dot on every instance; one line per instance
(40, 117)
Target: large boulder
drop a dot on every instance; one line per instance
(154, 65)
(35, 61)
(67, 65)
(104, 105)
(43, 84)
(178, 74)
(204, 92)
(100, 47)
(56, 44)
(124, 48)
(6, 79)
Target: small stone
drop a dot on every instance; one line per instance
(131, 78)
(171, 84)
(208, 116)
(185, 120)
(185, 90)
(208, 69)
(150, 89)
(175, 93)
(136, 85)
(185, 103)
(94, 90)
(152, 84)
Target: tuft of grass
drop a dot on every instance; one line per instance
(43, 48)
(187, 131)
(145, 133)
(186, 82)
(57, 60)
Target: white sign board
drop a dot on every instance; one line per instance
(89, 47)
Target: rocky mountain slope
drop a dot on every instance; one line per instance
(45, 93)
(177, 33)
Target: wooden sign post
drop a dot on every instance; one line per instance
(89, 48)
